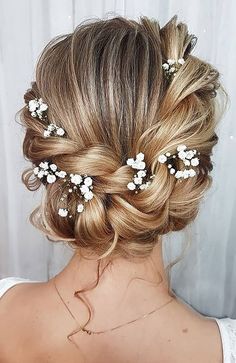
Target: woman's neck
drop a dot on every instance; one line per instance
(123, 284)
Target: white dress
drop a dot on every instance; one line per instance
(227, 326)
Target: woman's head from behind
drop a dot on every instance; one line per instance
(105, 85)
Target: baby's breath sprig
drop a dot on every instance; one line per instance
(81, 185)
(38, 108)
(171, 66)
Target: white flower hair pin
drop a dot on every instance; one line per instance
(171, 66)
(38, 108)
(53, 130)
(137, 182)
(48, 172)
(80, 185)
(188, 157)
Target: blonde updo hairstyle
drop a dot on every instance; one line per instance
(104, 85)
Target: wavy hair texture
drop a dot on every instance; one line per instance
(104, 84)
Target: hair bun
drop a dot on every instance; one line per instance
(106, 87)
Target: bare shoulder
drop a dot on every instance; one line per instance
(187, 336)
(201, 334)
(33, 326)
(19, 298)
(19, 312)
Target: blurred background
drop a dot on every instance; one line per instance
(206, 277)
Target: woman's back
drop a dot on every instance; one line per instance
(35, 322)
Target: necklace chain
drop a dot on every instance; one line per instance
(107, 330)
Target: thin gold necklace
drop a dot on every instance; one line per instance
(107, 330)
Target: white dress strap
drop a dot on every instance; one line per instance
(227, 329)
(8, 282)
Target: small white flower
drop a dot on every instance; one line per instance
(140, 156)
(60, 131)
(141, 173)
(80, 208)
(51, 178)
(36, 170)
(139, 165)
(61, 174)
(192, 172)
(53, 167)
(172, 69)
(38, 112)
(185, 173)
(76, 179)
(46, 133)
(142, 186)
(131, 186)
(34, 114)
(169, 166)
(182, 154)
(88, 195)
(84, 189)
(165, 66)
(138, 180)
(189, 154)
(33, 104)
(44, 165)
(63, 212)
(88, 181)
(194, 161)
(130, 161)
(171, 61)
(186, 162)
(43, 107)
(181, 61)
(70, 190)
(162, 158)
(40, 174)
(181, 147)
(168, 153)
(179, 174)
(51, 127)
(172, 171)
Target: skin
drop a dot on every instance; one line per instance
(35, 322)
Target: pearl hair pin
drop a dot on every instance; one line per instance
(81, 185)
